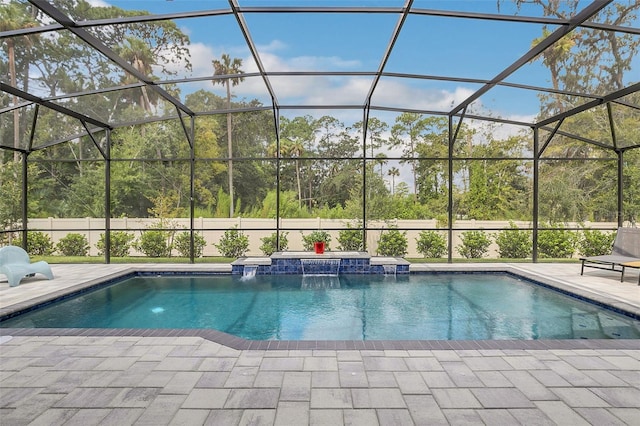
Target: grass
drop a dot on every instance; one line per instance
(488, 260)
(129, 259)
(218, 259)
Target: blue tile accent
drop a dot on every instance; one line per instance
(293, 266)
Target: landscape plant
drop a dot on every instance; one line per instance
(351, 239)
(120, 243)
(233, 243)
(514, 243)
(431, 244)
(556, 243)
(73, 244)
(392, 242)
(595, 243)
(154, 243)
(269, 243)
(474, 244)
(38, 244)
(316, 236)
(182, 243)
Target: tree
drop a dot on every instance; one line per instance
(393, 172)
(295, 149)
(497, 188)
(431, 171)
(586, 61)
(381, 160)
(225, 66)
(139, 55)
(64, 64)
(11, 196)
(555, 59)
(294, 136)
(375, 130)
(336, 178)
(14, 16)
(404, 134)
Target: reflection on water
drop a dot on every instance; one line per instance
(316, 282)
(349, 307)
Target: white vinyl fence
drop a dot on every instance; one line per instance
(255, 230)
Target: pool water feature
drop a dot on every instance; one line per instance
(349, 307)
(310, 267)
(346, 262)
(250, 271)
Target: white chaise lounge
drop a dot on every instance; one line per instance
(15, 264)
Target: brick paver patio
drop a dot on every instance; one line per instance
(190, 380)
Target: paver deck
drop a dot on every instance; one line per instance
(145, 379)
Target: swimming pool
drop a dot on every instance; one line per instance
(415, 307)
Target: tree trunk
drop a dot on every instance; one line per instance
(298, 182)
(230, 150)
(16, 112)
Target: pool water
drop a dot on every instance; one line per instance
(351, 307)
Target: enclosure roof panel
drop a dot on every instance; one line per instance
(111, 62)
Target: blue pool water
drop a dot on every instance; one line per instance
(353, 307)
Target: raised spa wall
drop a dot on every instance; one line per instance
(351, 262)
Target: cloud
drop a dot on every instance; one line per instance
(273, 46)
(201, 56)
(98, 3)
(330, 90)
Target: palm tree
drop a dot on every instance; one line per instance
(13, 17)
(381, 159)
(393, 172)
(226, 66)
(138, 54)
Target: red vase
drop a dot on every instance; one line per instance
(318, 246)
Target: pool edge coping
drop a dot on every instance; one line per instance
(239, 343)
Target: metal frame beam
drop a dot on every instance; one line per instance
(596, 102)
(99, 46)
(574, 22)
(254, 51)
(385, 57)
(40, 101)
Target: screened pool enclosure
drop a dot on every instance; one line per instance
(399, 127)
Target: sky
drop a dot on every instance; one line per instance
(356, 42)
(461, 48)
(437, 46)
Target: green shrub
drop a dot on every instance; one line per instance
(431, 244)
(474, 244)
(350, 239)
(182, 243)
(73, 245)
(38, 244)
(595, 243)
(269, 243)
(556, 243)
(514, 243)
(154, 243)
(120, 244)
(392, 243)
(233, 243)
(316, 236)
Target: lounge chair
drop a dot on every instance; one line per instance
(15, 264)
(634, 264)
(626, 248)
